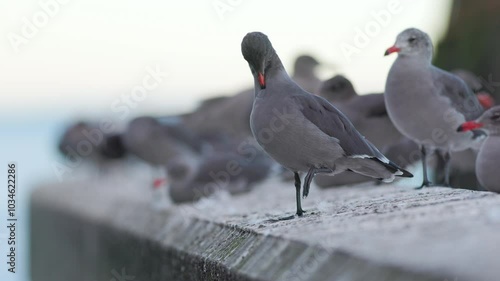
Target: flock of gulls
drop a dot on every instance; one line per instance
(294, 126)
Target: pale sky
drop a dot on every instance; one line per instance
(90, 52)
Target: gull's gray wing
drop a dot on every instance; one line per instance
(461, 96)
(335, 124)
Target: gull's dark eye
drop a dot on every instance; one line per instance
(412, 39)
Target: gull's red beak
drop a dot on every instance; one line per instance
(391, 50)
(262, 81)
(468, 126)
(485, 100)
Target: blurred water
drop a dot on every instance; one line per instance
(30, 144)
(30, 140)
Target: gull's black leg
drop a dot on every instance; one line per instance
(309, 177)
(300, 212)
(426, 181)
(447, 168)
(307, 181)
(439, 176)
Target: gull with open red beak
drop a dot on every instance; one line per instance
(488, 158)
(427, 104)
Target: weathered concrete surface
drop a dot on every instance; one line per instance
(94, 230)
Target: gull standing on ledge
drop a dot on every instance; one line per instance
(425, 103)
(304, 132)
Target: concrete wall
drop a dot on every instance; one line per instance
(86, 233)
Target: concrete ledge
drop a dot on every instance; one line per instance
(101, 230)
